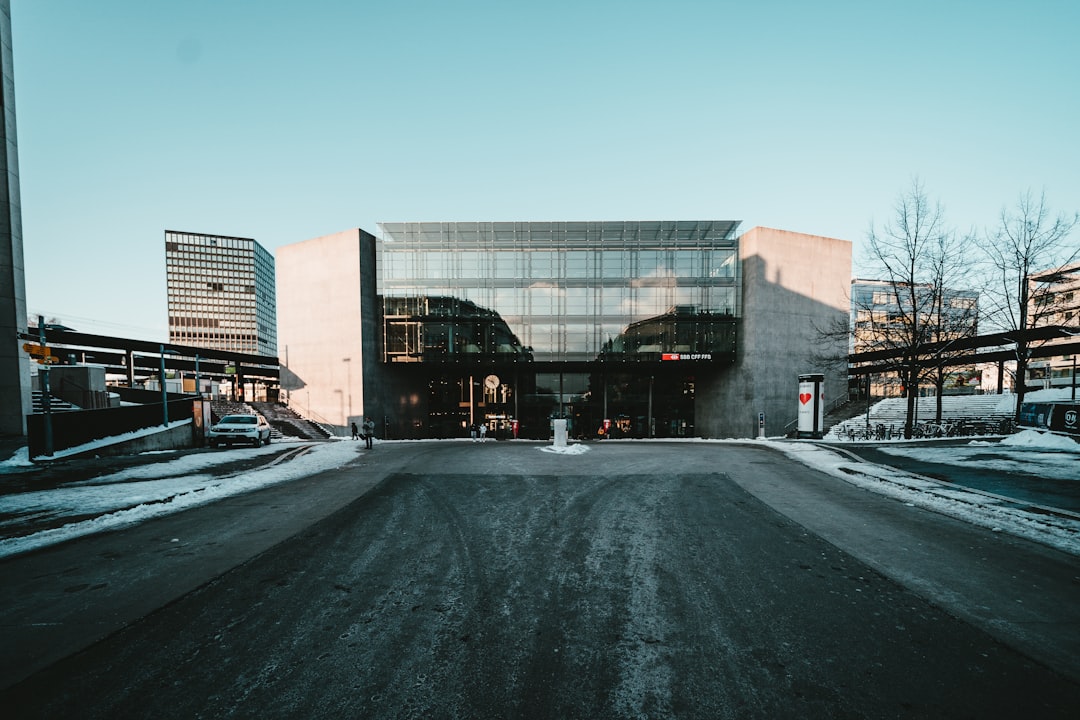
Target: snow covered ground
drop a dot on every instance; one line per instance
(137, 494)
(140, 493)
(1030, 451)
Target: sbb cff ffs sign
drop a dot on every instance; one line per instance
(811, 406)
(685, 356)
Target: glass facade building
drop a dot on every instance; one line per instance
(221, 293)
(558, 291)
(527, 321)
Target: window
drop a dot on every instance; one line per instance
(614, 263)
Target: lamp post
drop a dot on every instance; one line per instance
(46, 403)
(867, 404)
(348, 383)
(164, 395)
(341, 405)
(161, 378)
(46, 396)
(1074, 378)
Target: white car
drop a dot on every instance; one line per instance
(247, 429)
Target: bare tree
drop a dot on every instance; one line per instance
(954, 314)
(919, 257)
(1028, 241)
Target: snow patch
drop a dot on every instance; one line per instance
(1041, 440)
(173, 487)
(573, 449)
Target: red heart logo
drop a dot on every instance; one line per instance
(805, 397)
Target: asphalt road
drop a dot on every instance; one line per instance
(461, 580)
(1023, 486)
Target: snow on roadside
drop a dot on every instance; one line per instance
(982, 509)
(175, 492)
(1029, 452)
(162, 488)
(1041, 441)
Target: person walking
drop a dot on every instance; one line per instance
(355, 432)
(483, 432)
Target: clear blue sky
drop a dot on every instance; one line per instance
(283, 121)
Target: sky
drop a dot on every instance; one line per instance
(178, 483)
(284, 121)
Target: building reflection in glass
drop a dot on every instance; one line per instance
(440, 329)
(575, 320)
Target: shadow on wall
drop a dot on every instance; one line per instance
(291, 381)
(784, 333)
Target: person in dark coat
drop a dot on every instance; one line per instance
(369, 432)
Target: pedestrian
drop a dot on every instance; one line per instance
(483, 432)
(355, 432)
(472, 432)
(369, 432)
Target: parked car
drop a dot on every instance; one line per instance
(232, 429)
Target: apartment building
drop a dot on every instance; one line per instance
(221, 293)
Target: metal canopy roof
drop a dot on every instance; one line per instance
(569, 234)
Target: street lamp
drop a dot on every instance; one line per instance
(161, 377)
(348, 382)
(46, 400)
(341, 404)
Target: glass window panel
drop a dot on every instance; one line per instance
(543, 301)
(720, 263)
(508, 301)
(614, 301)
(577, 338)
(650, 263)
(507, 265)
(686, 263)
(547, 382)
(651, 301)
(719, 299)
(541, 337)
(437, 264)
(615, 263)
(481, 297)
(577, 301)
(473, 264)
(542, 265)
(577, 264)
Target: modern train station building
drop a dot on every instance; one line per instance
(623, 328)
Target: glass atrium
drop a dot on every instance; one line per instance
(558, 291)
(528, 321)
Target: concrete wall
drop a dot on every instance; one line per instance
(326, 313)
(179, 437)
(14, 367)
(794, 285)
(80, 385)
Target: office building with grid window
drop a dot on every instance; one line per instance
(221, 293)
(622, 328)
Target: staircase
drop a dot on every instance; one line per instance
(288, 423)
(55, 404)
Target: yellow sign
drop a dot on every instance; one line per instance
(36, 350)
